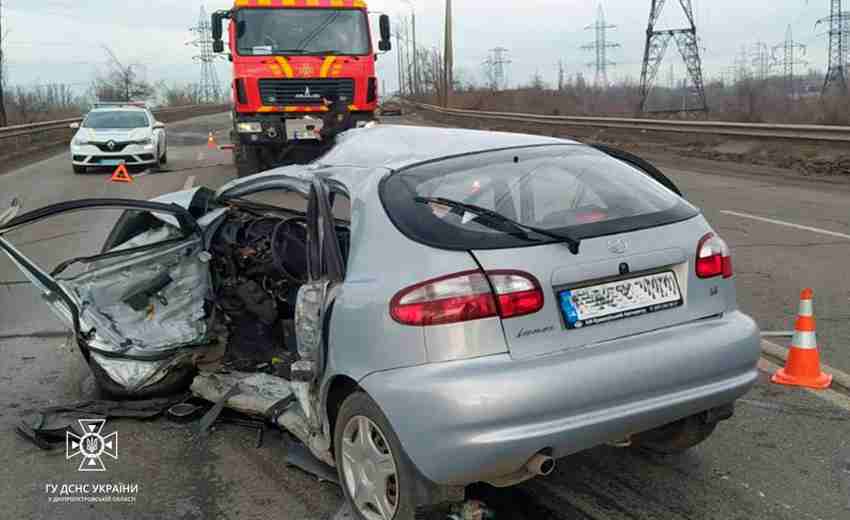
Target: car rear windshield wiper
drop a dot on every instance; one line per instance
(495, 220)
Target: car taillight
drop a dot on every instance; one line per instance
(467, 296)
(713, 257)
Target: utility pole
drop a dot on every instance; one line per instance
(657, 42)
(601, 47)
(400, 59)
(787, 54)
(448, 57)
(3, 121)
(561, 78)
(416, 77)
(839, 21)
(210, 88)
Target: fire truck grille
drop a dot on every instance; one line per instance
(303, 91)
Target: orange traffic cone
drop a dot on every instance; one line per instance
(803, 365)
(121, 174)
(211, 142)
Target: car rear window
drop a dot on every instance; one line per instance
(570, 189)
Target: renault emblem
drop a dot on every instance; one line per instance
(111, 145)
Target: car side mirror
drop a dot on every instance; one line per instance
(159, 126)
(74, 126)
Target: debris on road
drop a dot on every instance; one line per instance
(48, 426)
(471, 510)
(297, 455)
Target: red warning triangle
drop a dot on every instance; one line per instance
(121, 174)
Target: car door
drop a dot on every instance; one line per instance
(326, 271)
(140, 299)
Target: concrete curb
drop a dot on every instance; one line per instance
(840, 380)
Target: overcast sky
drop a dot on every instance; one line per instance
(61, 40)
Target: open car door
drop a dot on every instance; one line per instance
(134, 306)
(326, 270)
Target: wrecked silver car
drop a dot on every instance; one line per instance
(423, 308)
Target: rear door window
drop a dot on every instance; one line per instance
(567, 188)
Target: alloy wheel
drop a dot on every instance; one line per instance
(369, 469)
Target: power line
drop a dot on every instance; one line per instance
(210, 88)
(656, 46)
(601, 46)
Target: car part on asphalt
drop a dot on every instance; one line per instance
(299, 456)
(48, 425)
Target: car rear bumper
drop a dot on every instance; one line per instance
(482, 419)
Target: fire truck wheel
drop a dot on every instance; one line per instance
(248, 160)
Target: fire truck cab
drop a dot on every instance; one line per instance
(290, 58)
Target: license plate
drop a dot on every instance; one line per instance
(618, 300)
(111, 162)
(302, 129)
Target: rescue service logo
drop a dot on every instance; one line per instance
(92, 445)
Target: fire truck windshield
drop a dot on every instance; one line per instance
(262, 32)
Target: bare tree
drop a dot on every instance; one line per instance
(121, 83)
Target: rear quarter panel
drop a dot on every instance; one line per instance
(363, 337)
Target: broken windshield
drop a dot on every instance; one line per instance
(262, 32)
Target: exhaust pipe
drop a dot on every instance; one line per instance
(540, 464)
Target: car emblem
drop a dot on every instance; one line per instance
(618, 246)
(111, 145)
(307, 95)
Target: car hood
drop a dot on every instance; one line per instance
(118, 135)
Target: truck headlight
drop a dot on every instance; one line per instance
(249, 128)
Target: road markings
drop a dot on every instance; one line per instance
(190, 183)
(787, 224)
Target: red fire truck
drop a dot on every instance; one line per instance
(289, 58)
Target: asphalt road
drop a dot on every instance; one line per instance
(774, 460)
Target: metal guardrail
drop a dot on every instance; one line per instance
(23, 135)
(836, 134)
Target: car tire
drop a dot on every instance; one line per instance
(248, 160)
(676, 437)
(399, 490)
(79, 169)
(164, 159)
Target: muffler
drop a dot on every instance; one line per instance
(540, 465)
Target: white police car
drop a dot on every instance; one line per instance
(116, 133)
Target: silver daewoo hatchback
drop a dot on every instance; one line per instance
(424, 308)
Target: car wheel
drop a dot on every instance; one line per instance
(79, 169)
(676, 437)
(377, 477)
(164, 159)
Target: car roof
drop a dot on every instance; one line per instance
(397, 146)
